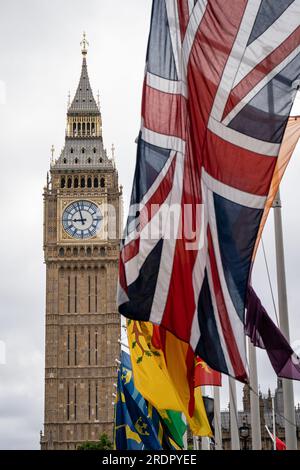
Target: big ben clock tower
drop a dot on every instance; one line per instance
(81, 227)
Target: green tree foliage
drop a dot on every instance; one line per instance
(103, 444)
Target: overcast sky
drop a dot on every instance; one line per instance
(40, 63)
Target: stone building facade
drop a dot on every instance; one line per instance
(266, 418)
(81, 246)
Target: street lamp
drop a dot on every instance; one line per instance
(244, 432)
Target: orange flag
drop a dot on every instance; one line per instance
(289, 142)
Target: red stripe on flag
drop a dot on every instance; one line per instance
(164, 112)
(232, 348)
(180, 301)
(229, 164)
(261, 70)
(184, 14)
(158, 197)
(131, 250)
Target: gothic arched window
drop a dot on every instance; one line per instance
(89, 182)
(62, 182)
(75, 182)
(96, 183)
(82, 150)
(102, 251)
(102, 183)
(82, 182)
(69, 182)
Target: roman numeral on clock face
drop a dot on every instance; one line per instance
(82, 219)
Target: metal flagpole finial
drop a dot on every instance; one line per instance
(69, 99)
(84, 44)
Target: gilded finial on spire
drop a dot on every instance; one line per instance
(84, 44)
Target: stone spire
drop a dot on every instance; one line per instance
(84, 145)
(84, 101)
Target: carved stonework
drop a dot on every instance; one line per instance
(82, 323)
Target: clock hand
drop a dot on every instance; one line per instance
(79, 220)
(80, 214)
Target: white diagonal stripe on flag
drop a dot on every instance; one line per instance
(234, 60)
(274, 36)
(192, 28)
(249, 143)
(167, 257)
(164, 141)
(233, 194)
(266, 79)
(166, 86)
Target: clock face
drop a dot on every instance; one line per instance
(82, 219)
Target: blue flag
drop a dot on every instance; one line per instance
(138, 425)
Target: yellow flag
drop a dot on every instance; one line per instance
(160, 370)
(151, 376)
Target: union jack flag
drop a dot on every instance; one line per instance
(219, 84)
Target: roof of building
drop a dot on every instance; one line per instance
(82, 152)
(84, 101)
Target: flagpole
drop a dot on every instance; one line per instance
(234, 430)
(254, 399)
(274, 424)
(205, 445)
(288, 390)
(217, 419)
(270, 434)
